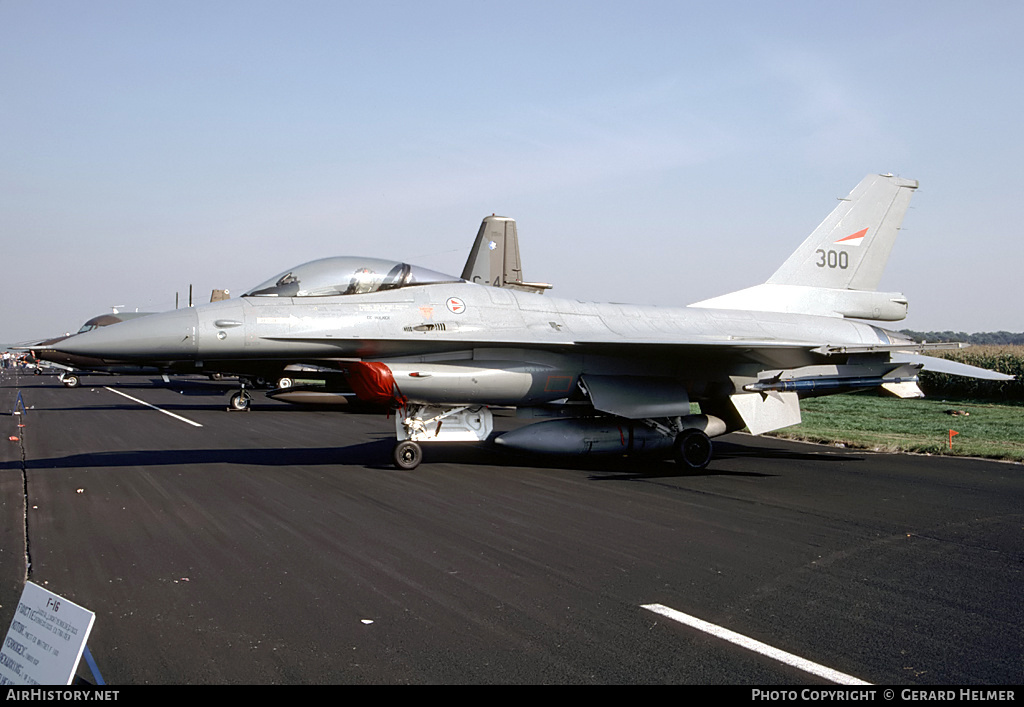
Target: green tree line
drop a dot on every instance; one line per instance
(1004, 359)
(985, 338)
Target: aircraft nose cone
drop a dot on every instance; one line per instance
(157, 337)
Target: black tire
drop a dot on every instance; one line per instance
(407, 455)
(692, 449)
(71, 381)
(239, 401)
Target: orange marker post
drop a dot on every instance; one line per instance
(951, 433)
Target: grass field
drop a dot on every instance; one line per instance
(1004, 359)
(984, 429)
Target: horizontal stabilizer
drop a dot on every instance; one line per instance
(954, 368)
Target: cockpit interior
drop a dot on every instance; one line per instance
(329, 277)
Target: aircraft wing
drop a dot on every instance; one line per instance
(696, 348)
(777, 352)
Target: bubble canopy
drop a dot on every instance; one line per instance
(329, 277)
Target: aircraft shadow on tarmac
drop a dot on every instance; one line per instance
(374, 455)
(639, 467)
(188, 388)
(365, 454)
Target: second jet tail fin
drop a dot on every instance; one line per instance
(494, 258)
(836, 269)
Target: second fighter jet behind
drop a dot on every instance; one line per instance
(612, 378)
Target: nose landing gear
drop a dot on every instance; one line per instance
(241, 400)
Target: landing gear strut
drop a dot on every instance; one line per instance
(422, 424)
(240, 400)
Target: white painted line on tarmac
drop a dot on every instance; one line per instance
(143, 402)
(756, 646)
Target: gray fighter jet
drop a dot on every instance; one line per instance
(493, 260)
(611, 378)
(71, 366)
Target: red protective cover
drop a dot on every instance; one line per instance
(373, 382)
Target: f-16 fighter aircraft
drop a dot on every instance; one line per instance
(493, 260)
(71, 366)
(612, 378)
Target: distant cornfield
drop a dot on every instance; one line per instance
(1004, 359)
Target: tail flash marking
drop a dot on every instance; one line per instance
(855, 240)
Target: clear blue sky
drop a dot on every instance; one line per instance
(651, 152)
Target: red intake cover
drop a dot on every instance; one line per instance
(373, 382)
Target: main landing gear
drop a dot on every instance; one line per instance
(692, 449)
(418, 424)
(407, 455)
(415, 425)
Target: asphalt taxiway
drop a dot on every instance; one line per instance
(279, 546)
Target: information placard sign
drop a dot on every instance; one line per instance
(45, 640)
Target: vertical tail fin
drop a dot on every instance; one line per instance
(836, 269)
(850, 248)
(494, 258)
